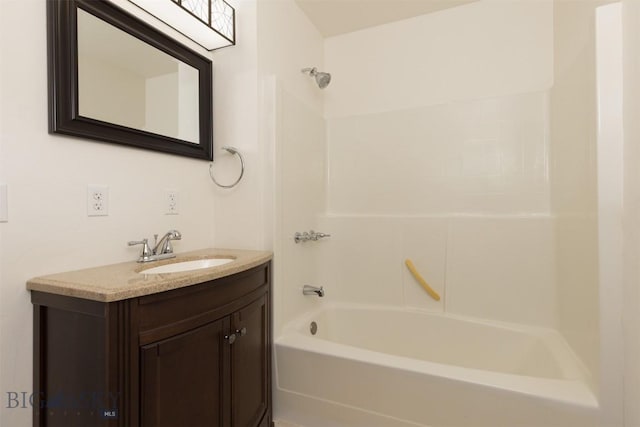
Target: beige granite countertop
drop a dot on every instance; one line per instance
(117, 282)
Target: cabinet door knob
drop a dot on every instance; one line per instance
(242, 332)
(231, 338)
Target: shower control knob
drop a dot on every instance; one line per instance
(231, 338)
(309, 236)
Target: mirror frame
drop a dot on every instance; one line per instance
(64, 116)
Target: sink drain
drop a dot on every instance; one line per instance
(313, 327)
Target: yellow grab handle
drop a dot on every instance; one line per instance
(423, 283)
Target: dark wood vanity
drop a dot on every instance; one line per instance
(194, 356)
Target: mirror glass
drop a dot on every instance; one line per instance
(125, 81)
(114, 78)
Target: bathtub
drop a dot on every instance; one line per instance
(379, 367)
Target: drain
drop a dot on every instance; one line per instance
(313, 328)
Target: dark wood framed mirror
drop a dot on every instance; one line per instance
(114, 78)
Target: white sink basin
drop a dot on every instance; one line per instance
(178, 267)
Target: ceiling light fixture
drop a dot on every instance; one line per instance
(209, 23)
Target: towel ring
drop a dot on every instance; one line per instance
(231, 150)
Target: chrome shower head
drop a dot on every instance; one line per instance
(322, 79)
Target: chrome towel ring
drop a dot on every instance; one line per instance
(231, 150)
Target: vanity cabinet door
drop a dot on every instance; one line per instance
(182, 378)
(250, 365)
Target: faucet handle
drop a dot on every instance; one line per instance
(167, 248)
(146, 251)
(315, 236)
(309, 235)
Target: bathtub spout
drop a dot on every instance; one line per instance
(313, 290)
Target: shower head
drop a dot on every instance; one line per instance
(322, 79)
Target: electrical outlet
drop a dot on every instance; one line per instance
(97, 200)
(171, 202)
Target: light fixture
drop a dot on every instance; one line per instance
(209, 23)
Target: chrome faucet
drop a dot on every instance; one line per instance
(309, 235)
(162, 249)
(313, 290)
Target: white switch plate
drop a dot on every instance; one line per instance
(172, 204)
(97, 200)
(4, 204)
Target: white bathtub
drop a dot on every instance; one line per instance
(380, 367)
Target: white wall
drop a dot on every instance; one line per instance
(293, 134)
(240, 212)
(631, 214)
(610, 202)
(287, 43)
(47, 176)
(495, 48)
(301, 170)
(438, 143)
(475, 156)
(292, 110)
(573, 176)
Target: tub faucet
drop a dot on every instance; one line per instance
(162, 248)
(313, 290)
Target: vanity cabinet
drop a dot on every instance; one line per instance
(195, 356)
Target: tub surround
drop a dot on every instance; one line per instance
(122, 281)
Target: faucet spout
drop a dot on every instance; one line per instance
(313, 290)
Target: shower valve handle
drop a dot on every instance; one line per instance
(309, 236)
